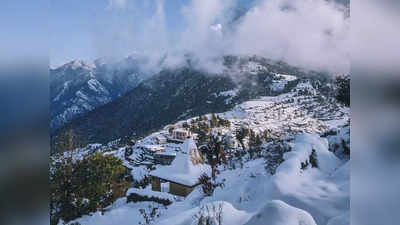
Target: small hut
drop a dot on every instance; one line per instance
(182, 176)
(180, 134)
(160, 139)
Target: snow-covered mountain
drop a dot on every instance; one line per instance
(79, 87)
(275, 184)
(184, 92)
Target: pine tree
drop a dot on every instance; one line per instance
(252, 139)
(342, 84)
(313, 159)
(213, 121)
(83, 186)
(241, 133)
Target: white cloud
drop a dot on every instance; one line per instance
(310, 33)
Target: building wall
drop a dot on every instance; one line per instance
(180, 190)
(155, 184)
(164, 159)
(174, 188)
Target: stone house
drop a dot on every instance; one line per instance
(181, 177)
(180, 134)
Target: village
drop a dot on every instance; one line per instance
(180, 153)
(227, 156)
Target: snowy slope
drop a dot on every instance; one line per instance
(78, 86)
(251, 195)
(301, 120)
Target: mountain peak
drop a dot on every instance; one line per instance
(78, 63)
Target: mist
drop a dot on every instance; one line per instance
(313, 34)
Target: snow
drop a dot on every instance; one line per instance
(183, 170)
(153, 148)
(278, 212)
(79, 94)
(150, 193)
(288, 77)
(281, 80)
(253, 67)
(230, 215)
(230, 94)
(96, 86)
(166, 153)
(340, 220)
(118, 214)
(251, 195)
(65, 87)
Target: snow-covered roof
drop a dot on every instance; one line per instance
(152, 147)
(166, 153)
(160, 137)
(184, 169)
(180, 130)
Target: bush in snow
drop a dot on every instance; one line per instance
(343, 89)
(149, 215)
(273, 155)
(346, 149)
(240, 134)
(312, 160)
(133, 197)
(207, 185)
(87, 185)
(209, 215)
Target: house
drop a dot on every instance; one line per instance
(152, 148)
(182, 176)
(180, 134)
(160, 139)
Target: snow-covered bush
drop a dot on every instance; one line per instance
(273, 155)
(207, 185)
(209, 215)
(134, 197)
(149, 215)
(85, 185)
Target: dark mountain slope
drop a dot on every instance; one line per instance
(167, 97)
(176, 94)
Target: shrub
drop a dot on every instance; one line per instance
(140, 198)
(149, 215)
(209, 215)
(346, 149)
(87, 185)
(206, 184)
(240, 134)
(343, 89)
(313, 159)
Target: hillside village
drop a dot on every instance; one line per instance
(281, 158)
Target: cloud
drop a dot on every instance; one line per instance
(308, 33)
(314, 34)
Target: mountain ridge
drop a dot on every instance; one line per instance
(179, 93)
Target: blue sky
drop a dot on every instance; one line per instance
(79, 28)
